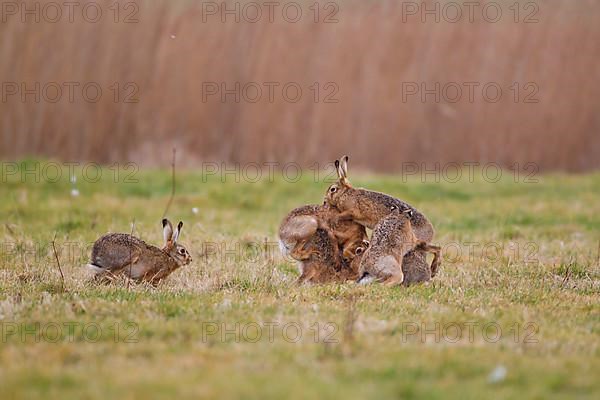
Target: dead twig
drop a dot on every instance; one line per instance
(9, 229)
(62, 276)
(567, 275)
(350, 320)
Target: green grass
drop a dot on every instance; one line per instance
(520, 258)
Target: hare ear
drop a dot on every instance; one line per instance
(167, 231)
(345, 166)
(341, 172)
(344, 171)
(338, 169)
(177, 232)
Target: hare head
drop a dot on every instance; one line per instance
(171, 247)
(337, 191)
(357, 249)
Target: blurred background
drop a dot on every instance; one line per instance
(386, 81)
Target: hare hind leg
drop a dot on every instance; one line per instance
(389, 270)
(437, 255)
(395, 279)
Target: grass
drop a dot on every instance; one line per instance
(518, 290)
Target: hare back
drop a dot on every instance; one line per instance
(376, 205)
(299, 227)
(115, 250)
(394, 232)
(310, 209)
(299, 224)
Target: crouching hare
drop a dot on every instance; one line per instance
(324, 248)
(123, 254)
(298, 227)
(392, 240)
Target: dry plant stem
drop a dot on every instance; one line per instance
(62, 276)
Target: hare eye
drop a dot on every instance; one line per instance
(182, 251)
(333, 189)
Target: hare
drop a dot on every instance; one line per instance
(324, 247)
(414, 264)
(120, 253)
(392, 239)
(301, 224)
(323, 264)
(368, 207)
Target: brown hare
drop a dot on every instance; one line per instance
(368, 207)
(324, 246)
(414, 264)
(392, 240)
(123, 254)
(300, 225)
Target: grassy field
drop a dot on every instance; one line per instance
(514, 312)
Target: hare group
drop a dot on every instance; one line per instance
(331, 244)
(329, 241)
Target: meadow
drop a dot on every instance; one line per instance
(514, 311)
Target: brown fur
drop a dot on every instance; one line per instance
(414, 264)
(415, 267)
(298, 227)
(392, 239)
(324, 263)
(368, 207)
(122, 254)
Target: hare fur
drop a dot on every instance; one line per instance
(123, 254)
(368, 207)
